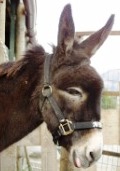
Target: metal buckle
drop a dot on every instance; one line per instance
(66, 127)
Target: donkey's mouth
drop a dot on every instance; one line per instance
(80, 162)
(76, 160)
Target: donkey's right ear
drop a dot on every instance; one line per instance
(66, 30)
(94, 42)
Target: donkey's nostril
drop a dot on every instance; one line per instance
(92, 156)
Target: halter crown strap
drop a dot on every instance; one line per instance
(47, 69)
(47, 89)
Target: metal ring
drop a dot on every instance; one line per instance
(46, 90)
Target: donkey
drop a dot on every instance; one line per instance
(61, 89)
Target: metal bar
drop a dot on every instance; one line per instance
(111, 153)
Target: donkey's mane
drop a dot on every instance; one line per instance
(33, 55)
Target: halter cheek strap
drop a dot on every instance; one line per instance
(66, 127)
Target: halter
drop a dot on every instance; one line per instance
(66, 127)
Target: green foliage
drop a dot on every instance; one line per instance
(109, 102)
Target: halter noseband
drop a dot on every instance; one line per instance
(66, 127)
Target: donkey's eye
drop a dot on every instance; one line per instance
(75, 91)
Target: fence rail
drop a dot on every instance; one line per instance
(111, 153)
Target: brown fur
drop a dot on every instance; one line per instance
(19, 112)
(21, 83)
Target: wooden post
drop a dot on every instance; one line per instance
(119, 111)
(3, 51)
(64, 161)
(12, 31)
(65, 164)
(27, 159)
(20, 158)
(2, 19)
(49, 152)
(20, 31)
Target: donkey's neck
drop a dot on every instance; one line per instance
(19, 97)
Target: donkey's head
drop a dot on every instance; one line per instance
(73, 92)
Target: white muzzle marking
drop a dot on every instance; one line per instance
(88, 149)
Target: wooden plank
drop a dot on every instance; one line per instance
(111, 93)
(111, 126)
(87, 33)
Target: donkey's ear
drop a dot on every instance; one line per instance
(92, 43)
(66, 30)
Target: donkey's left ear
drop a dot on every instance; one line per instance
(92, 43)
(66, 30)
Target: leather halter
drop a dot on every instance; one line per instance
(66, 127)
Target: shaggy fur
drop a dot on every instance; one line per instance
(21, 83)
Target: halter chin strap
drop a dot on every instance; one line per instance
(66, 127)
